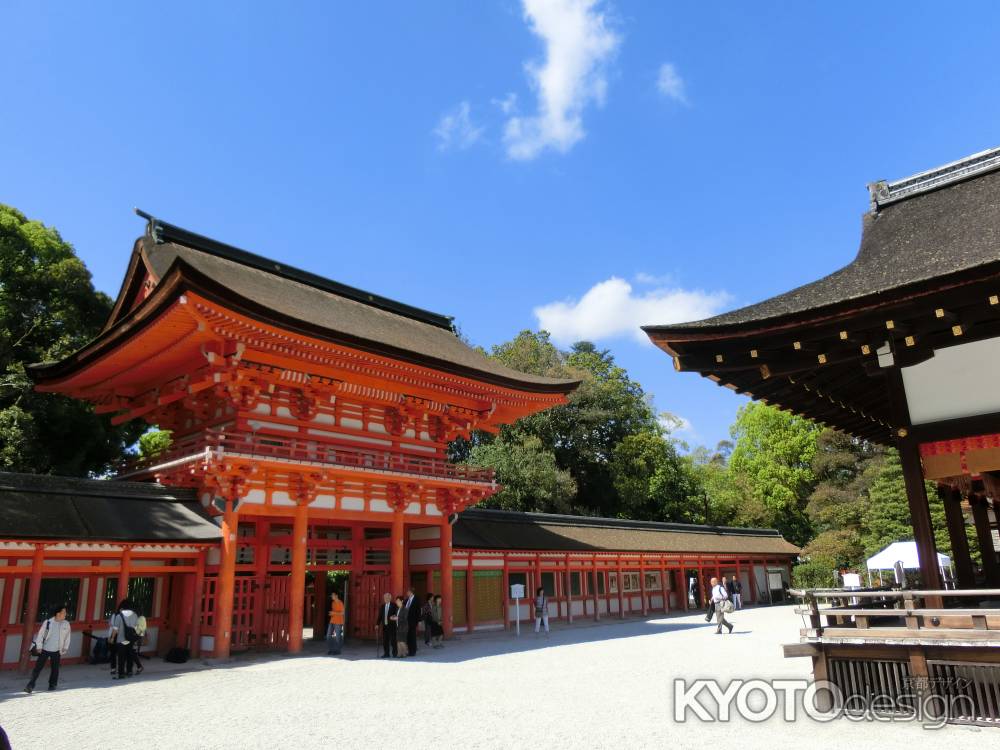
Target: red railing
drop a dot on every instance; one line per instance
(306, 450)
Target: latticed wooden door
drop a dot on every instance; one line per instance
(487, 595)
(366, 592)
(274, 633)
(244, 601)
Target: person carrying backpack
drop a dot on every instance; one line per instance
(50, 644)
(122, 636)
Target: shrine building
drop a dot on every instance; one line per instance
(310, 426)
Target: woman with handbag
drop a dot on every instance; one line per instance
(50, 645)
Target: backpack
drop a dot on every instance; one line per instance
(102, 654)
(177, 655)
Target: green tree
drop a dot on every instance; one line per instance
(48, 309)
(652, 481)
(154, 442)
(530, 478)
(773, 455)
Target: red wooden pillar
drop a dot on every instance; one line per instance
(124, 573)
(34, 590)
(506, 593)
(225, 583)
(663, 587)
(621, 586)
(642, 585)
(297, 581)
(197, 595)
(569, 592)
(396, 551)
(753, 581)
(320, 617)
(597, 600)
(470, 606)
(182, 602)
(447, 580)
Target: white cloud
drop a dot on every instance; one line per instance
(611, 308)
(578, 45)
(649, 279)
(670, 83)
(507, 105)
(456, 129)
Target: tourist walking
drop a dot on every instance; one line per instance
(437, 623)
(541, 610)
(121, 634)
(427, 617)
(738, 594)
(720, 598)
(335, 630)
(387, 621)
(50, 644)
(412, 620)
(402, 627)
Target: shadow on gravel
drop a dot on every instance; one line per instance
(462, 648)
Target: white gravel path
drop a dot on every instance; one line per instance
(588, 685)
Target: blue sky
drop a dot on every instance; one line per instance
(589, 165)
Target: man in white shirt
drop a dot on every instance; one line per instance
(719, 597)
(52, 643)
(119, 625)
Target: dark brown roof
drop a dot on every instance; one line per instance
(481, 528)
(36, 506)
(272, 291)
(952, 227)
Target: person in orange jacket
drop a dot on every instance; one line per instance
(335, 630)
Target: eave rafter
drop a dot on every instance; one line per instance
(824, 370)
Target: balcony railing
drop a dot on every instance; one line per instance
(312, 451)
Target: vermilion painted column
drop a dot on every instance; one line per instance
(663, 587)
(196, 600)
(297, 582)
(447, 581)
(225, 583)
(34, 589)
(123, 574)
(621, 586)
(642, 585)
(569, 592)
(396, 551)
(597, 600)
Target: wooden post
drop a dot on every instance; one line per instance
(470, 607)
(320, 596)
(982, 520)
(447, 581)
(663, 587)
(642, 586)
(753, 582)
(506, 593)
(913, 478)
(124, 573)
(621, 587)
(261, 560)
(396, 551)
(597, 599)
(569, 592)
(225, 583)
(297, 582)
(955, 519)
(197, 595)
(34, 590)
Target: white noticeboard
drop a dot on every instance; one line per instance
(851, 580)
(517, 594)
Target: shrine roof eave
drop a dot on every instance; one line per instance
(182, 278)
(910, 244)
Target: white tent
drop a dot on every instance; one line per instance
(904, 552)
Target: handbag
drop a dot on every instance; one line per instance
(727, 606)
(33, 651)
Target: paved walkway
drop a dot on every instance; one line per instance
(587, 685)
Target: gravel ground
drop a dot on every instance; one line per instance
(587, 685)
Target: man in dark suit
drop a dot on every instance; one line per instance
(412, 604)
(386, 620)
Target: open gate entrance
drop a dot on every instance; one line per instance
(366, 596)
(260, 613)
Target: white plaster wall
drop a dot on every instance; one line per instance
(207, 643)
(12, 648)
(255, 496)
(324, 501)
(425, 556)
(380, 506)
